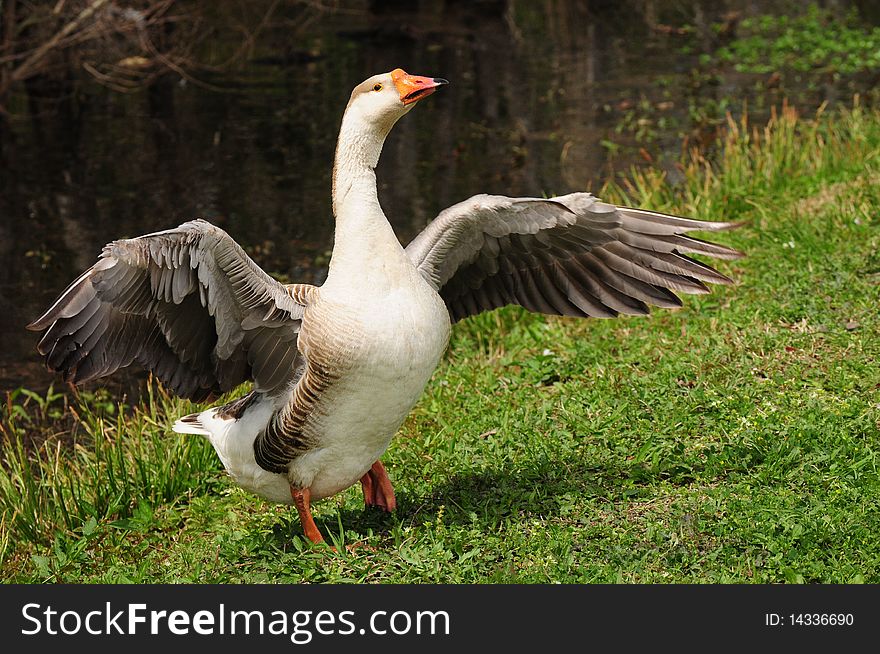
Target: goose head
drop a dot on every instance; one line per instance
(375, 105)
(381, 100)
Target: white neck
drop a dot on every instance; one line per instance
(364, 241)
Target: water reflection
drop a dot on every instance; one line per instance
(536, 88)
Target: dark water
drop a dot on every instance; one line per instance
(536, 89)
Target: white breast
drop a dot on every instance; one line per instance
(404, 334)
(389, 343)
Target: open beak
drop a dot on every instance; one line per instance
(413, 88)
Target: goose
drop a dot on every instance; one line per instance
(336, 368)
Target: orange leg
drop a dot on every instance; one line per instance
(377, 488)
(302, 499)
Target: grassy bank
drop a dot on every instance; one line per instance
(735, 440)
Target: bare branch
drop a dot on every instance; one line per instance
(25, 69)
(124, 46)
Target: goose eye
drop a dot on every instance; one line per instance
(378, 87)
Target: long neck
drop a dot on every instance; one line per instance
(357, 153)
(363, 235)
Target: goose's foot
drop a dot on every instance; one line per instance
(377, 488)
(302, 500)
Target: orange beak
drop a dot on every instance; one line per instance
(413, 88)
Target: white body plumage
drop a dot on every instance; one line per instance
(395, 330)
(336, 369)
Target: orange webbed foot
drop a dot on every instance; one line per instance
(377, 488)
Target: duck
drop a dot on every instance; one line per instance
(336, 368)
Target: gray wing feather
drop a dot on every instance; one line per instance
(187, 304)
(570, 255)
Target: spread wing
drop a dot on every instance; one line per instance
(187, 304)
(571, 255)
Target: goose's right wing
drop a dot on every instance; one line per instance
(187, 304)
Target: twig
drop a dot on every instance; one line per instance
(8, 23)
(147, 45)
(24, 70)
(251, 38)
(108, 81)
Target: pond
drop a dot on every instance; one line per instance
(545, 98)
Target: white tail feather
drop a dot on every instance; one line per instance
(191, 424)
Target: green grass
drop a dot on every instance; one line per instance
(735, 440)
(816, 40)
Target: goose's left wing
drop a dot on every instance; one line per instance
(571, 255)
